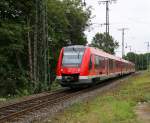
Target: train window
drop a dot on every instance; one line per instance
(72, 56)
(97, 64)
(102, 62)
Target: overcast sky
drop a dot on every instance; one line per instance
(132, 14)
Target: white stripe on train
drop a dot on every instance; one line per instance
(94, 76)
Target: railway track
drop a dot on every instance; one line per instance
(12, 112)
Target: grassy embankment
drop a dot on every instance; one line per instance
(115, 106)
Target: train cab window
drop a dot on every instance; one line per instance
(72, 56)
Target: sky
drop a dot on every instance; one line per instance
(131, 14)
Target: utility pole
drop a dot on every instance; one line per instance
(107, 2)
(148, 46)
(123, 33)
(129, 46)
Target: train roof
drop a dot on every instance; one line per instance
(76, 46)
(100, 52)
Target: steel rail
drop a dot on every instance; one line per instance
(50, 101)
(16, 107)
(28, 100)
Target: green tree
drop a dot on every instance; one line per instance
(13, 65)
(67, 22)
(105, 42)
(141, 61)
(132, 57)
(24, 25)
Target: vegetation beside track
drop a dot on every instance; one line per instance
(115, 106)
(8, 99)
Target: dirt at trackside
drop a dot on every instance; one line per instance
(143, 112)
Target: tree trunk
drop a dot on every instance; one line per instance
(35, 43)
(40, 45)
(29, 50)
(18, 61)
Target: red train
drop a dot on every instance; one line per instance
(82, 65)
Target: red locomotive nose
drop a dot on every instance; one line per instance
(70, 70)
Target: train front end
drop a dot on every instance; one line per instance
(72, 66)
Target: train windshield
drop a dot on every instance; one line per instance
(72, 56)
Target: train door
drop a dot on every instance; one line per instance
(104, 66)
(114, 66)
(96, 65)
(105, 69)
(121, 65)
(101, 65)
(107, 66)
(111, 65)
(91, 66)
